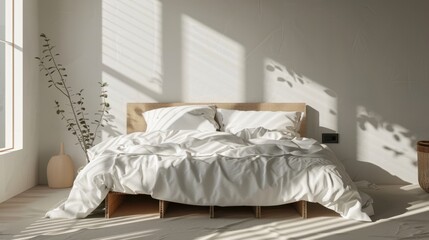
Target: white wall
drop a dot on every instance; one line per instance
(18, 169)
(361, 66)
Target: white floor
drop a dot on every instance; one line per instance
(402, 212)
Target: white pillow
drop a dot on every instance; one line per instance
(188, 117)
(234, 121)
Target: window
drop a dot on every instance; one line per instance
(6, 74)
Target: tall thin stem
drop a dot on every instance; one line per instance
(73, 110)
(76, 119)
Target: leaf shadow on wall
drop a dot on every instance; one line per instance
(110, 128)
(396, 135)
(296, 83)
(293, 79)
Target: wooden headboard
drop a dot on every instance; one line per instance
(136, 122)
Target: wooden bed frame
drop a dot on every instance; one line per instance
(136, 122)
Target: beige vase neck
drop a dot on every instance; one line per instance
(62, 149)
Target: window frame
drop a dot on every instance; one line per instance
(9, 144)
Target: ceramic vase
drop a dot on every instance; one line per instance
(60, 170)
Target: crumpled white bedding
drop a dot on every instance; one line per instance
(255, 167)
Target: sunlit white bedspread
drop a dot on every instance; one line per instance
(255, 168)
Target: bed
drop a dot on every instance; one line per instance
(233, 167)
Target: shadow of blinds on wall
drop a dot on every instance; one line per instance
(6, 74)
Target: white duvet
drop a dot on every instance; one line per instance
(254, 167)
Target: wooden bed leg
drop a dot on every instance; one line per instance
(257, 210)
(112, 202)
(106, 207)
(211, 211)
(163, 205)
(301, 207)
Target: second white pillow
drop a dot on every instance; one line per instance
(234, 121)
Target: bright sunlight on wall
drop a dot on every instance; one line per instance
(387, 145)
(212, 63)
(131, 52)
(284, 84)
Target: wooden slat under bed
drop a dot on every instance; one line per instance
(120, 204)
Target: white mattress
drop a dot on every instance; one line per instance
(255, 168)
